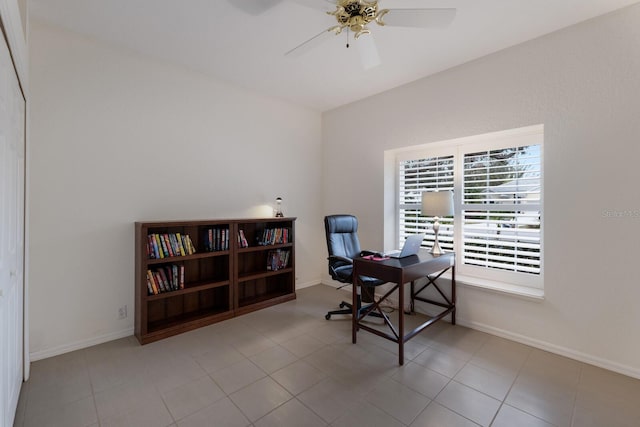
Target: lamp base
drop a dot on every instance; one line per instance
(436, 249)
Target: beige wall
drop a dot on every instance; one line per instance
(582, 84)
(117, 137)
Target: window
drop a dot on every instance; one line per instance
(497, 184)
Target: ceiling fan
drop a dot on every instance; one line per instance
(355, 16)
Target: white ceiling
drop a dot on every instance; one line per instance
(216, 38)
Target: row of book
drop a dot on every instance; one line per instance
(278, 259)
(169, 245)
(216, 239)
(165, 279)
(275, 236)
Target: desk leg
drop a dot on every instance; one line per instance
(354, 306)
(453, 294)
(412, 303)
(401, 324)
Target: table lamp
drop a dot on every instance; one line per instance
(437, 204)
(279, 213)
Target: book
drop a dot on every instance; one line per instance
(242, 239)
(152, 283)
(180, 245)
(167, 244)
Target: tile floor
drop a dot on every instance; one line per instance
(288, 366)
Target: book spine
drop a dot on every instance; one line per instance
(158, 280)
(167, 244)
(161, 252)
(180, 245)
(151, 280)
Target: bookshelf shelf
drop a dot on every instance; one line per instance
(263, 274)
(226, 270)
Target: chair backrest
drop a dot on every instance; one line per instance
(342, 235)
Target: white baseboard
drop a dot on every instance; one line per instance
(307, 284)
(553, 348)
(78, 345)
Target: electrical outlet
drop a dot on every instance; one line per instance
(122, 312)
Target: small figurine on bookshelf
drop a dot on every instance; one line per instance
(279, 213)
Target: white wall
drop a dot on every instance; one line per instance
(582, 83)
(116, 138)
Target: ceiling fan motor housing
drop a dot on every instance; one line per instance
(355, 14)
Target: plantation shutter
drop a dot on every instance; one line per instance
(501, 209)
(416, 176)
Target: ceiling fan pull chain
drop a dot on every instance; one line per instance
(347, 37)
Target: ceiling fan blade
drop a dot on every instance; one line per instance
(254, 7)
(313, 42)
(368, 51)
(322, 5)
(419, 18)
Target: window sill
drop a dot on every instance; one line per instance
(500, 287)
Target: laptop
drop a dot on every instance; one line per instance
(411, 247)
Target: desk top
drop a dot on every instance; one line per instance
(415, 265)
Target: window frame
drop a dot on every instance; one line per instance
(513, 282)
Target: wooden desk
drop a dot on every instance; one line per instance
(401, 272)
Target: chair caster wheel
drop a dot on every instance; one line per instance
(342, 305)
(327, 316)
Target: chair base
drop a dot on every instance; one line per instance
(349, 310)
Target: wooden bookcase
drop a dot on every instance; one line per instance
(219, 281)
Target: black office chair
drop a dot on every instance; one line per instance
(343, 245)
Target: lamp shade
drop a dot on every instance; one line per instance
(437, 203)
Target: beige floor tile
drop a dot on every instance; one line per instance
(298, 377)
(124, 398)
(423, 380)
(222, 413)
(436, 415)
(218, 358)
(172, 372)
(547, 400)
(460, 342)
(501, 356)
(303, 345)
(487, 382)
(189, 398)
(440, 362)
(53, 395)
(598, 415)
(364, 414)
(509, 416)
(552, 368)
(469, 403)
(274, 358)
(237, 376)
(291, 414)
(260, 398)
(147, 413)
(329, 399)
(397, 400)
(80, 413)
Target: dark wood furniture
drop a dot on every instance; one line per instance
(220, 282)
(400, 272)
